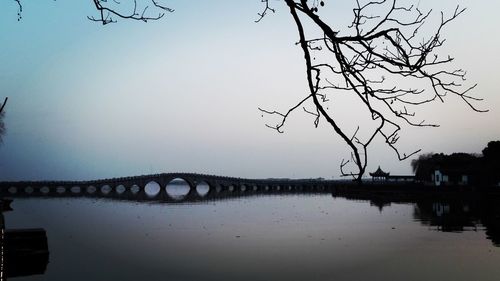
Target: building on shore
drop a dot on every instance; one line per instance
(447, 176)
(380, 175)
(457, 169)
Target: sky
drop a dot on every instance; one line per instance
(182, 94)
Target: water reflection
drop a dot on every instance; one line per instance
(462, 215)
(446, 212)
(448, 216)
(256, 234)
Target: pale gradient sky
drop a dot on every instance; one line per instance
(181, 94)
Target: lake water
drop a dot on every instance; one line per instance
(267, 237)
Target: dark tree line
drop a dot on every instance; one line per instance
(491, 161)
(425, 165)
(366, 60)
(483, 168)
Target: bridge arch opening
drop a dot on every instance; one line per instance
(152, 189)
(76, 189)
(120, 189)
(91, 189)
(255, 188)
(243, 188)
(105, 189)
(202, 188)
(218, 188)
(231, 188)
(12, 190)
(61, 189)
(135, 189)
(266, 188)
(177, 189)
(29, 190)
(45, 190)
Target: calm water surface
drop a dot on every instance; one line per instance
(274, 237)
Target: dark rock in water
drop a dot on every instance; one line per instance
(26, 252)
(5, 204)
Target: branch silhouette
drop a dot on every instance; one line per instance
(2, 115)
(378, 45)
(110, 10)
(109, 13)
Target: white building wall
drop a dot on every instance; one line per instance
(438, 177)
(465, 180)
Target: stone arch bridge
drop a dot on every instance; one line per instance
(134, 188)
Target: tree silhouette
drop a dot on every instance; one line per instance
(369, 60)
(491, 156)
(386, 44)
(455, 165)
(491, 152)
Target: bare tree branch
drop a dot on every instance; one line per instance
(387, 45)
(110, 11)
(2, 115)
(267, 9)
(108, 14)
(3, 104)
(19, 10)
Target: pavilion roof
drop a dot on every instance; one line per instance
(379, 173)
